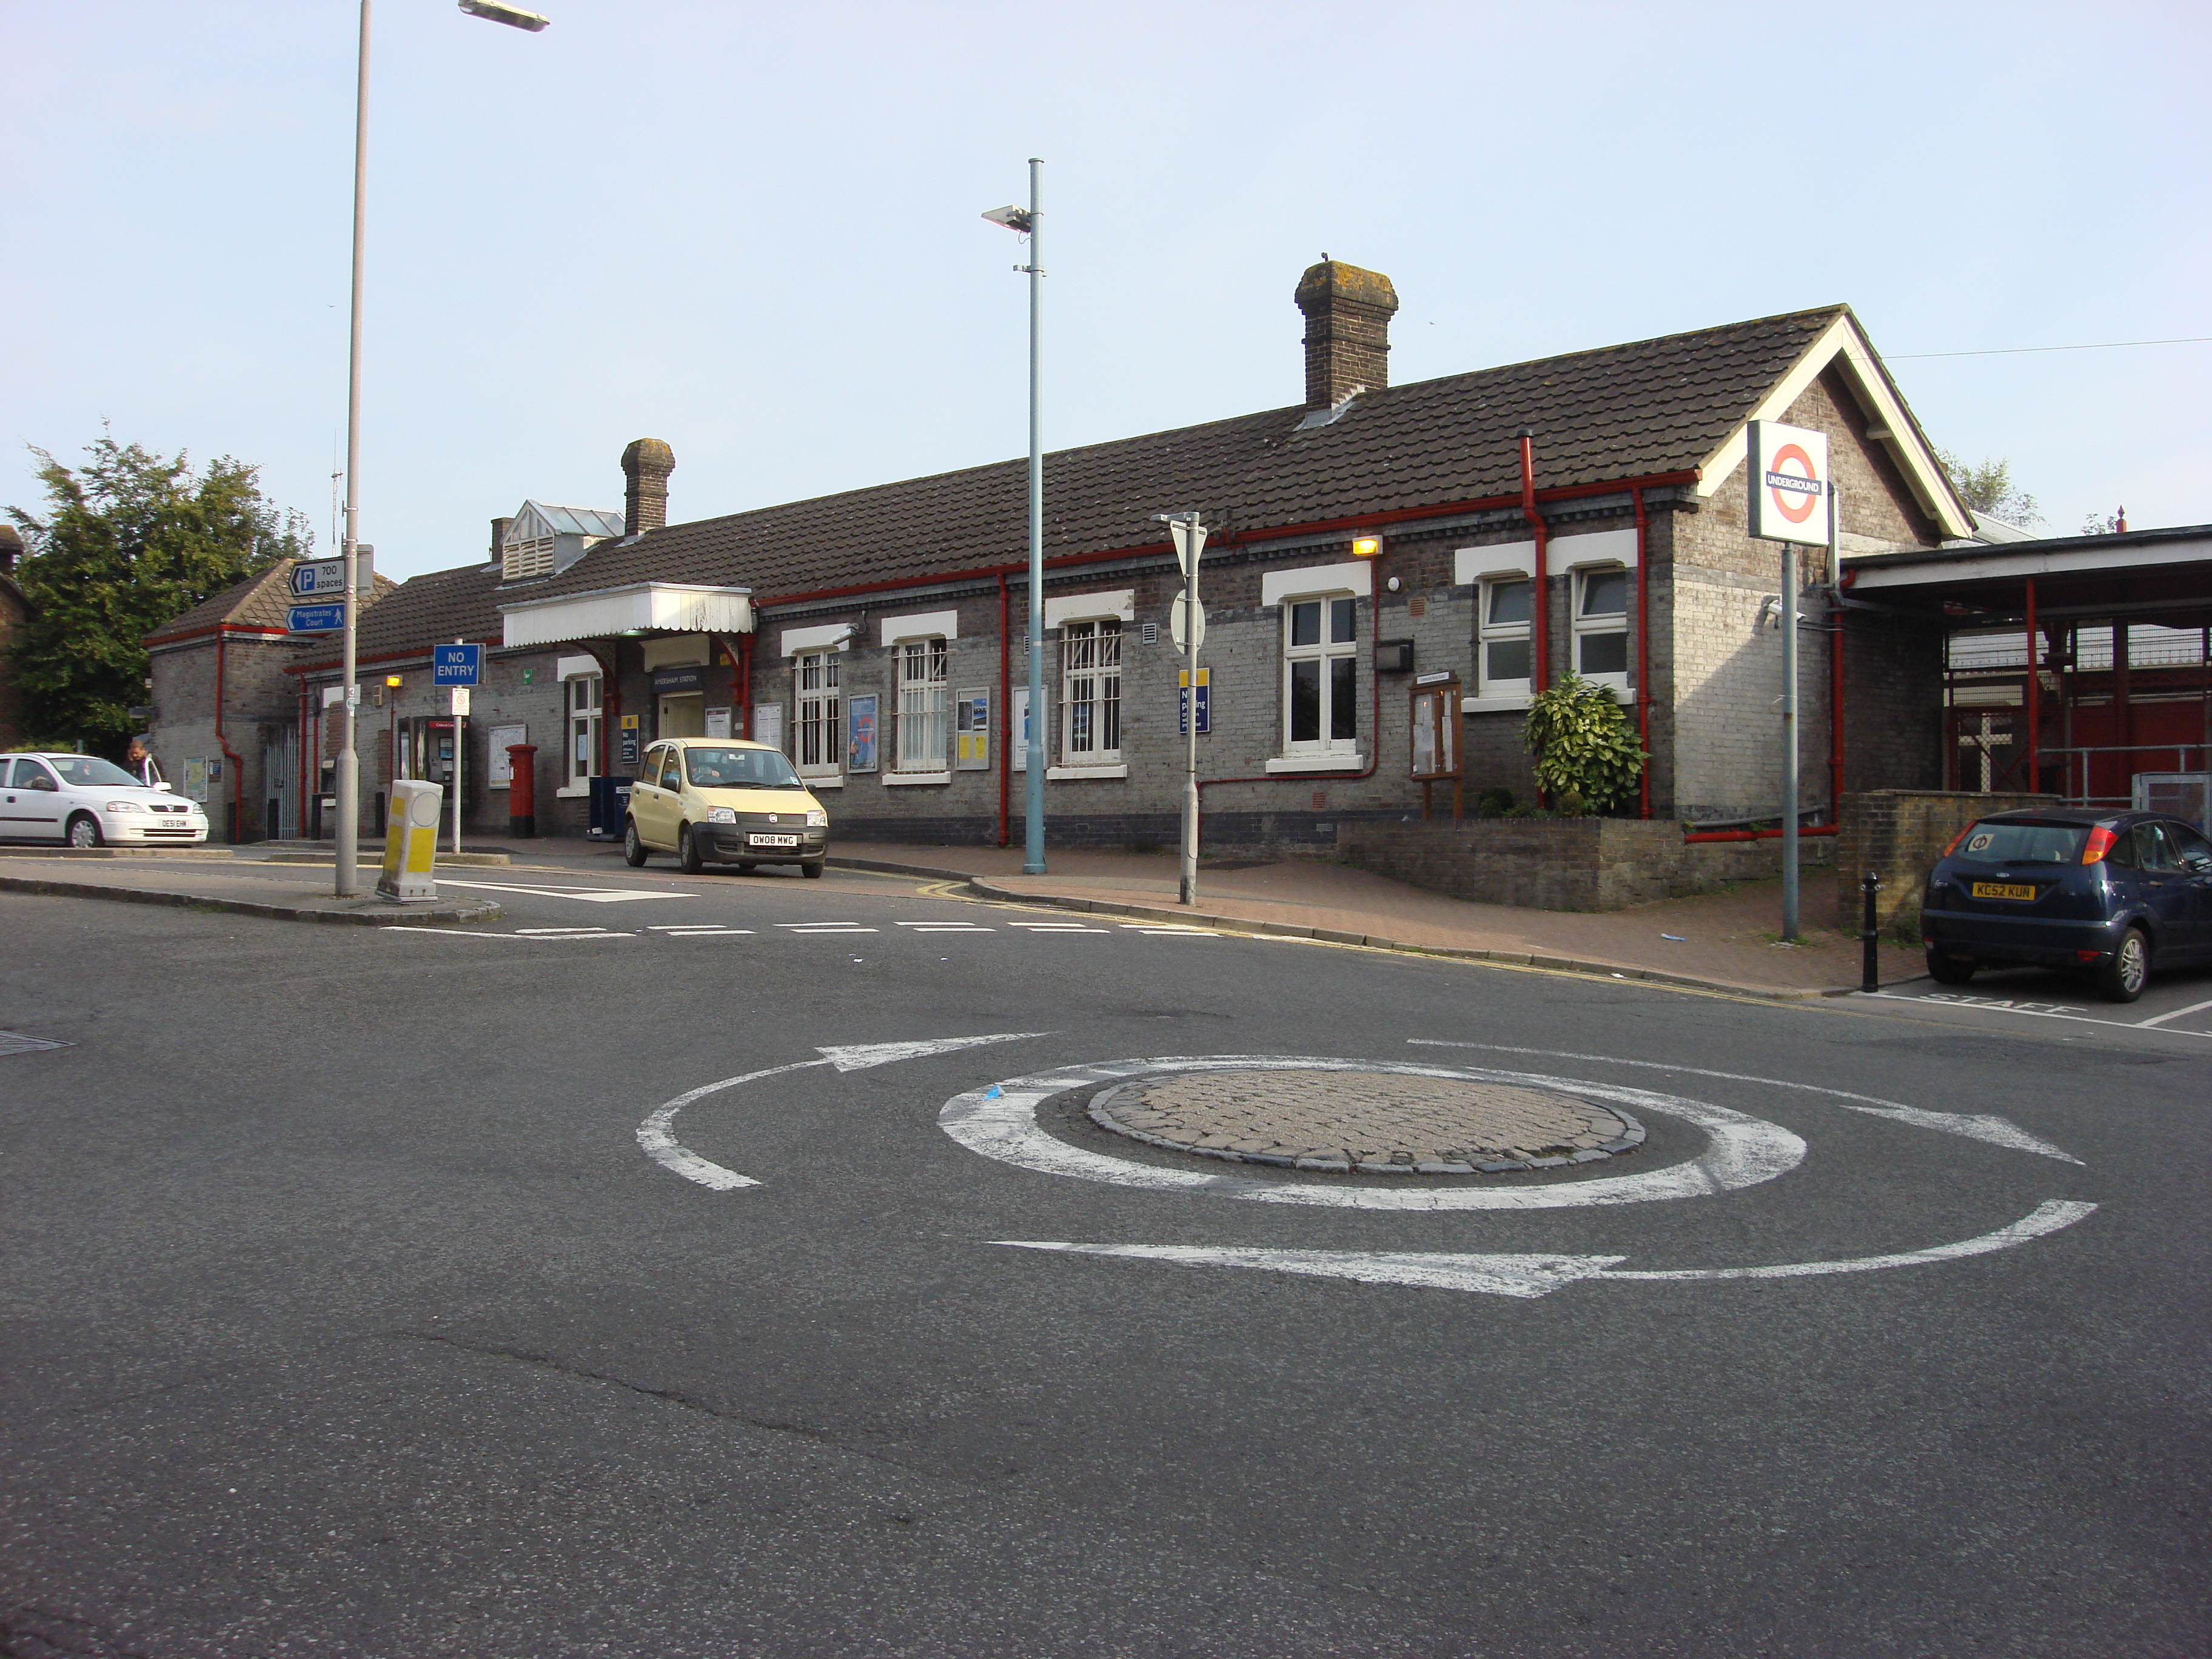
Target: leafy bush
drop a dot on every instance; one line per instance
(1585, 751)
(1494, 802)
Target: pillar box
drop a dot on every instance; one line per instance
(522, 791)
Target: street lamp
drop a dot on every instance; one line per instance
(1027, 222)
(348, 779)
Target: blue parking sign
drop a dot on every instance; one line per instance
(455, 665)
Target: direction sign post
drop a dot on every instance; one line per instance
(1792, 503)
(315, 619)
(1186, 624)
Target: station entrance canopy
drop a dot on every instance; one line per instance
(639, 608)
(2076, 665)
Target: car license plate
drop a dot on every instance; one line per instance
(2002, 889)
(772, 840)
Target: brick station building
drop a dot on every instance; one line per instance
(1366, 537)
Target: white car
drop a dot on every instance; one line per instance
(88, 802)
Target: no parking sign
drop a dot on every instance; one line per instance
(1789, 493)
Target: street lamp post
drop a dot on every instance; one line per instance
(349, 769)
(1028, 222)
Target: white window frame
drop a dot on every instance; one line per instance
(1605, 622)
(818, 713)
(922, 705)
(586, 721)
(1507, 692)
(1082, 650)
(1322, 752)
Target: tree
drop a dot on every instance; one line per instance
(1584, 752)
(127, 541)
(1988, 489)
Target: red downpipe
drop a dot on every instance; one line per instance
(1836, 718)
(744, 664)
(1643, 656)
(2034, 693)
(302, 742)
(1005, 709)
(1540, 612)
(1757, 834)
(237, 766)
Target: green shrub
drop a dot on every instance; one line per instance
(1494, 802)
(1584, 747)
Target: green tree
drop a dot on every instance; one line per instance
(1988, 489)
(127, 540)
(1587, 758)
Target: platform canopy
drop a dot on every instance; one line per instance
(636, 609)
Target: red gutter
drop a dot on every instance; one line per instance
(237, 766)
(487, 640)
(1540, 612)
(1643, 656)
(233, 629)
(1757, 834)
(1005, 709)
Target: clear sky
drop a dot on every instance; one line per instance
(753, 230)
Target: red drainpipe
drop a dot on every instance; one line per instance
(2034, 692)
(1836, 720)
(744, 656)
(1643, 656)
(1539, 611)
(229, 755)
(300, 778)
(1005, 708)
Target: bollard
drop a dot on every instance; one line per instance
(1869, 937)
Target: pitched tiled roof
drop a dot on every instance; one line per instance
(259, 601)
(1652, 407)
(460, 604)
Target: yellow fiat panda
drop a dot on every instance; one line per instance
(710, 800)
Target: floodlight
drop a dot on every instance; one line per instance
(1013, 218)
(498, 12)
(1367, 547)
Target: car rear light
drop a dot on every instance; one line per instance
(2101, 842)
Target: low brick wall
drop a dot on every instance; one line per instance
(1562, 864)
(1898, 833)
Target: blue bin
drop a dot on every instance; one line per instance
(609, 806)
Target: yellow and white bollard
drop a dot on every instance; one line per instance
(410, 840)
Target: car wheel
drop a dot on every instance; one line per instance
(632, 848)
(83, 830)
(1950, 971)
(746, 867)
(812, 869)
(2121, 978)
(687, 850)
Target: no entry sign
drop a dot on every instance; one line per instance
(1789, 483)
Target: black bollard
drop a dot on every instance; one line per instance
(1869, 937)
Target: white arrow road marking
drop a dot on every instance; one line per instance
(589, 894)
(657, 1133)
(15, 1042)
(1979, 1126)
(1539, 1275)
(1001, 1121)
(1498, 1275)
(2047, 1216)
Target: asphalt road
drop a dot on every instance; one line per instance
(349, 1312)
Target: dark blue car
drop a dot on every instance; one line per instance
(2107, 893)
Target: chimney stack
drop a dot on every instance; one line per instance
(499, 529)
(1347, 331)
(11, 548)
(646, 463)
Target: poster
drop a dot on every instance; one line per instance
(768, 724)
(196, 779)
(1021, 730)
(626, 748)
(861, 749)
(718, 723)
(501, 771)
(972, 731)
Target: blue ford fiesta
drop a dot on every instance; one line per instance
(2108, 893)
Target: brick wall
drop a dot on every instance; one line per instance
(258, 697)
(1560, 864)
(1898, 833)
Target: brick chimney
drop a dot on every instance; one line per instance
(1347, 331)
(646, 463)
(499, 529)
(11, 548)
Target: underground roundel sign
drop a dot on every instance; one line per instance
(1790, 494)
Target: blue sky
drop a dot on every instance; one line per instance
(752, 231)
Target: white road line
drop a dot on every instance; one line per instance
(947, 927)
(1979, 1126)
(2161, 1020)
(999, 1122)
(1057, 926)
(588, 895)
(525, 938)
(2047, 1216)
(1177, 933)
(2005, 1005)
(15, 1042)
(825, 927)
(704, 933)
(528, 931)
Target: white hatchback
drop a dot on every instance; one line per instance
(88, 802)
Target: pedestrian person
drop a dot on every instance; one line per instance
(139, 761)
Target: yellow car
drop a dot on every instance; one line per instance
(710, 801)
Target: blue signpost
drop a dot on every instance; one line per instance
(316, 619)
(455, 665)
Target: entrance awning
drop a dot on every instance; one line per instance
(638, 607)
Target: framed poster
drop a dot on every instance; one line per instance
(196, 779)
(718, 723)
(861, 725)
(1436, 712)
(1021, 734)
(971, 730)
(500, 771)
(768, 724)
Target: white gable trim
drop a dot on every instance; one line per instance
(1355, 577)
(1843, 339)
(1084, 607)
(924, 624)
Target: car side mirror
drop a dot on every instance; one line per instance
(161, 786)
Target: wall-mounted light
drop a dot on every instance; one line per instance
(1367, 547)
(393, 681)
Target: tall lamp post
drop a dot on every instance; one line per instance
(1028, 220)
(349, 778)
